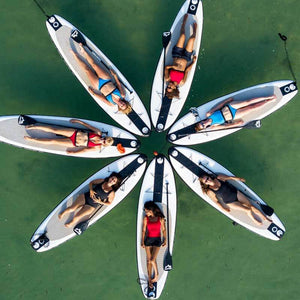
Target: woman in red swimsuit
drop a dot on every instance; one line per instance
(76, 140)
(154, 225)
(176, 74)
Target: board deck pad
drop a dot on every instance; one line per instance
(158, 179)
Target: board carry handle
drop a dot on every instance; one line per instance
(168, 264)
(268, 210)
(78, 37)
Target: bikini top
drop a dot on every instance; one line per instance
(91, 144)
(153, 228)
(176, 76)
(218, 117)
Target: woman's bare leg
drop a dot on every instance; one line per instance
(190, 43)
(149, 265)
(66, 142)
(100, 72)
(239, 206)
(181, 40)
(154, 254)
(94, 79)
(86, 210)
(79, 202)
(47, 128)
(246, 201)
(245, 103)
(242, 112)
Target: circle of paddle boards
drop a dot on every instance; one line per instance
(163, 116)
(66, 38)
(158, 175)
(190, 164)
(13, 133)
(183, 131)
(52, 231)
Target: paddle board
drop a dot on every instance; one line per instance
(190, 164)
(52, 232)
(164, 111)
(158, 175)
(183, 131)
(11, 132)
(66, 37)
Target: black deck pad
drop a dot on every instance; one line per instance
(138, 122)
(26, 120)
(158, 179)
(193, 6)
(289, 88)
(130, 168)
(164, 112)
(183, 132)
(55, 24)
(277, 231)
(198, 171)
(125, 142)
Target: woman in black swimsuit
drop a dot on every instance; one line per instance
(101, 192)
(228, 197)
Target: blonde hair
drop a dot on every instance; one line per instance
(128, 108)
(108, 141)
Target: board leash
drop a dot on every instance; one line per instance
(40, 7)
(284, 39)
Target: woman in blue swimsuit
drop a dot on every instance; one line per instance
(230, 113)
(102, 85)
(101, 192)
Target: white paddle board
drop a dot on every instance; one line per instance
(164, 111)
(183, 131)
(158, 179)
(66, 37)
(13, 133)
(190, 164)
(52, 232)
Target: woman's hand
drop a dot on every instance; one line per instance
(113, 73)
(194, 58)
(91, 90)
(142, 245)
(164, 243)
(93, 195)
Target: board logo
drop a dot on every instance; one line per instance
(289, 88)
(193, 7)
(55, 24)
(77, 231)
(276, 230)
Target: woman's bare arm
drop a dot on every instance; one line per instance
(218, 106)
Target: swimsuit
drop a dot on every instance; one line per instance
(100, 193)
(181, 53)
(115, 92)
(153, 233)
(176, 76)
(90, 144)
(226, 193)
(218, 118)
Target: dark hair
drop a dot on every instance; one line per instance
(205, 187)
(119, 180)
(173, 93)
(150, 205)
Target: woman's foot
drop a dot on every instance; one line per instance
(150, 284)
(69, 225)
(29, 138)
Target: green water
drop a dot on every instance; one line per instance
(212, 259)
